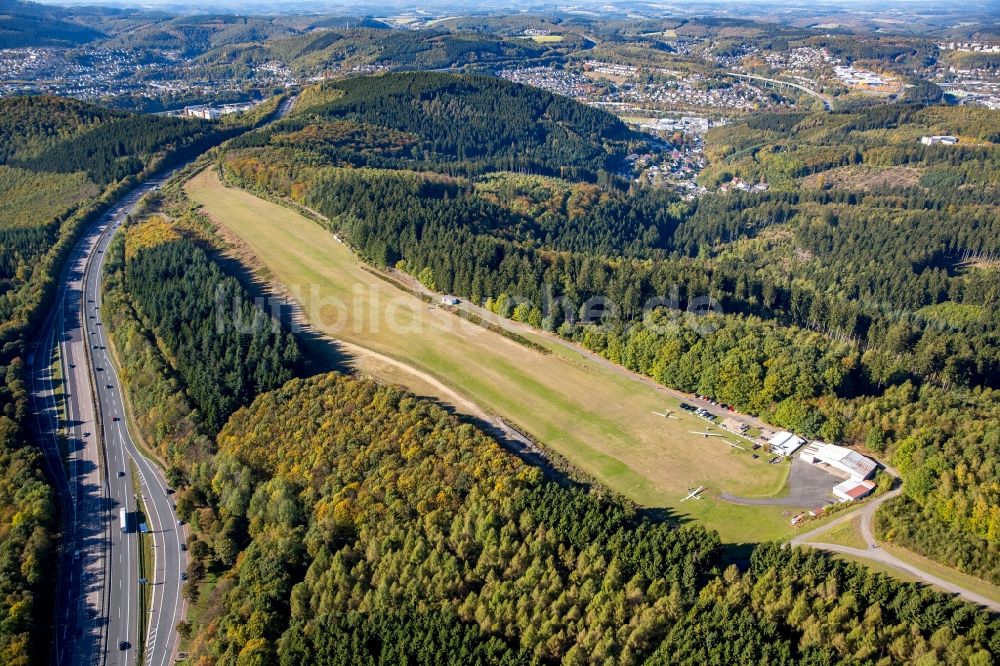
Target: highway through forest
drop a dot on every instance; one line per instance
(89, 453)
(97, 469)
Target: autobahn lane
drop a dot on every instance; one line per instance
(164, 573)
(123, 566)
(79, 417)
(68, 432)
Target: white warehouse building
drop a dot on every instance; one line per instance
(851, 463)
(785, 443)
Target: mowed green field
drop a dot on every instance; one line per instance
(845, 534)
(601, 421)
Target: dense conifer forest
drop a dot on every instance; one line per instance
(456, 124)
(225, 348)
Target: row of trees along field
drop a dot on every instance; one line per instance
(225, 348)
(372, 526)
(854, 297)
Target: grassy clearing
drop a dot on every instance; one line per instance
(58, 395)
(943, 572)
(196, 613)
(601, 421)
(847, 533)
(34, 199)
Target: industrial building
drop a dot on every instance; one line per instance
(203, 112)
(941, 139)
(839, 459)
(852, 489)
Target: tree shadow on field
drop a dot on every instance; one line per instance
(736, 553)
(320, 353)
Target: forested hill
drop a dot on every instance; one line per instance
(55, 155)
(63, 135)
(31, 24)
(463, 124)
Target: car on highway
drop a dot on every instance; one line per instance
(98, 368)
(114, 418)
(121, 473)
(123, 645)
(107, 385)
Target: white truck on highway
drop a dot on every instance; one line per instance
(123, 519)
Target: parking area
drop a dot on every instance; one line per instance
(809, 487)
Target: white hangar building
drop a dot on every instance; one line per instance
(851, 463)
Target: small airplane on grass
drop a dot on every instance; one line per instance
(694, 493)
(706, 433)
(669, 414)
